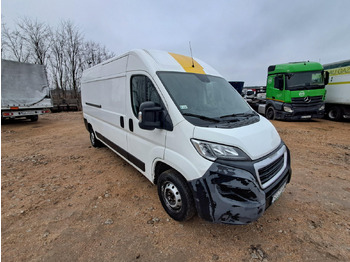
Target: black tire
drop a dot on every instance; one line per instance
(175, 196)
(270, 113)
(335, 113)
(34, 118)
(93, 139)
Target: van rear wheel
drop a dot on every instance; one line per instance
(93, 139)
(175, 196)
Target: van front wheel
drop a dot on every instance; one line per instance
(175, 196)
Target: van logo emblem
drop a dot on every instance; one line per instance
(307, 99)
(301, 93)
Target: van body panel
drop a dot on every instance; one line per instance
(181, 153)
(164, 62)
(109, 69)
(145, 145)
(104, 105)
(155, 60)
(256, 140)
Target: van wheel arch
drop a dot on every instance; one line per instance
(160, 167)
(175, 195)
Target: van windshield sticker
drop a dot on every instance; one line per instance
(183, 107)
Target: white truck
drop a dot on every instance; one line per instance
(338, 90)
(183, 126)
(24, 90)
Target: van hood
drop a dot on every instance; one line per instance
(256, 140)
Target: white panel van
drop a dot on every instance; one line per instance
(183, 126)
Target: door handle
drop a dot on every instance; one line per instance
(131, 125)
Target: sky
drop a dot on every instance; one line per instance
(239, 38)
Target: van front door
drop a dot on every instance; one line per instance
(144, 146)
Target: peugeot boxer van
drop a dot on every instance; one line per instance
(183, 126)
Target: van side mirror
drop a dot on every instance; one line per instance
(279, 82)
(152, 116)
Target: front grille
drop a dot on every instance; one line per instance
(310, 101)
(269, 171)
(271, 168)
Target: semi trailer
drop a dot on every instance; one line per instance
(338, 90)
(24, 91)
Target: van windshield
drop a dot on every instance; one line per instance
(206, 100)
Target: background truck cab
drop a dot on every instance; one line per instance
(295, 91)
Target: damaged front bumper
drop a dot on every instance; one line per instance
(232, 192)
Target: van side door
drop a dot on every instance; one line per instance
(144, 146)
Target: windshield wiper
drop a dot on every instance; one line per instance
(202, 117)
(238, 115)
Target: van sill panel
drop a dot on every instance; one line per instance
(137, 162)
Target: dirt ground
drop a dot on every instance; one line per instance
(63, 200)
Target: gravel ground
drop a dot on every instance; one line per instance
(63, 200)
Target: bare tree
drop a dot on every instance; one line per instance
(37, 36)
(63, 51)
(94, 54)
(15, 44)
(73, 54)
(57, 60)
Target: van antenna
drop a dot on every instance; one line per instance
(191, 54)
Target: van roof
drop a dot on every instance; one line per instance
(166, 61)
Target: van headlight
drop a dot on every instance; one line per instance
(213, 151)
(288, 109)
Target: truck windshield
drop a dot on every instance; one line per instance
(304, 80)
(208, 98)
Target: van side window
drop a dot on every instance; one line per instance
(142, 90)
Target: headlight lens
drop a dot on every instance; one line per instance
(213, 151)
(288, 109)
(321, 108)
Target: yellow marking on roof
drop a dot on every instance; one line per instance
(186, 63)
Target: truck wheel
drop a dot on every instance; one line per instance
(93, 139)
(270, 113)
(34, 118)
(335, 113)
(175, 196)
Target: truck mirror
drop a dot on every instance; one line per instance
(326, 77)
(150, 116)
